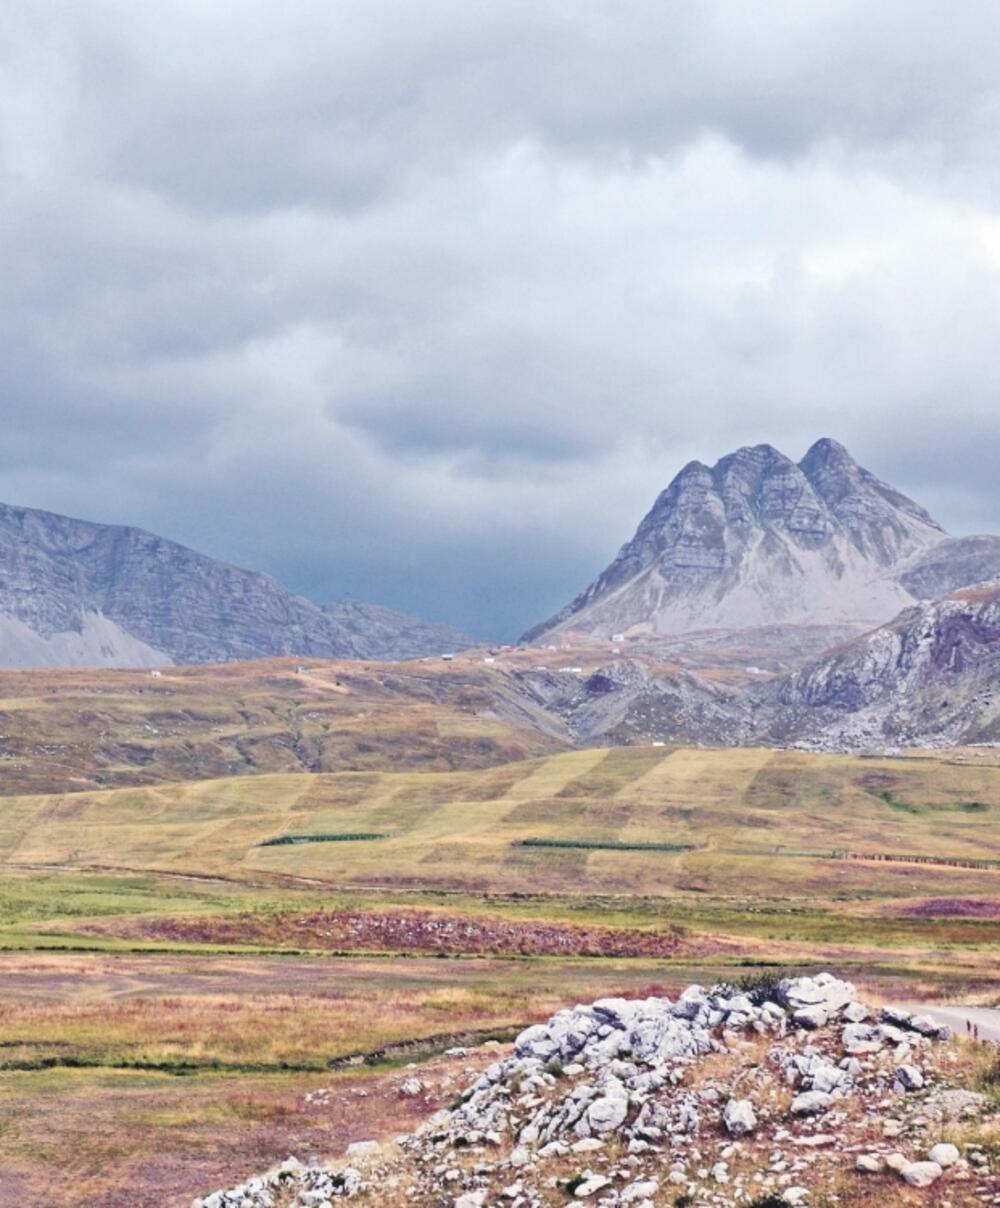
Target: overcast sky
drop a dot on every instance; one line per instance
(426, 300)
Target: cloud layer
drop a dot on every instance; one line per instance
(427, 301)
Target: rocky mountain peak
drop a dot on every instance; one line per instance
(826, 451)
(882, 523)
(760, 539)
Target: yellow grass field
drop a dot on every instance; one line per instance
(755, 821)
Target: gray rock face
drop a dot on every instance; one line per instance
(930, 678)
(757, 539)
(375, 632)
(74, 593)
(954, 563)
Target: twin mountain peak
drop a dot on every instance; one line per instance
(760, 540)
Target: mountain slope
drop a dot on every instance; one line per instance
(73, 593)
(380, 633)
(758, 540)
(930, 678)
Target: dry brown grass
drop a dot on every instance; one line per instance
(69, 730)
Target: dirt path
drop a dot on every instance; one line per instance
(986, 1019)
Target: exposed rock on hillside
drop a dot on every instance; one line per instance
(628, 700)
(928, 679)
(719, 1097)
(74, 593)
(759, 540)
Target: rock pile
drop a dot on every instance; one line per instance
(719, 1096)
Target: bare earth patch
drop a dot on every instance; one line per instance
(414, 931)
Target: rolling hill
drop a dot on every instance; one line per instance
(78, 729)
(644, 821)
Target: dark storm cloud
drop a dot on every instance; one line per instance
(426, 301)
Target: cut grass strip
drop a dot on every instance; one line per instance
(604, 845)
(345, 837)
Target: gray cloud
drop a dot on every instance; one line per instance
(426, 302)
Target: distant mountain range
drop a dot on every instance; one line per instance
(760, 540)
(73, 593)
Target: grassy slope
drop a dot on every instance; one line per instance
(459, 830)
(71, 730)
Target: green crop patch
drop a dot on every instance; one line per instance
(604, 845)
(344, 837)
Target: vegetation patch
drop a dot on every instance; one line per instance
(344, 837)
(962, 807)
(604, 845)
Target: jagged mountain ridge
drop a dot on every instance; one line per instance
(758, 539)
(76, 593)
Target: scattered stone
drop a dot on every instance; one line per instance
(471, 1199)
(817, 1016)
(944, 1154)
(739, 1117)
(869, 1163)
(605, 1115)
(910, 1077)
(921, 1174)
(590, 1184)
(618, 1080)
(585, 1145)
(811, 1103)
(363, 1149)
(642, 1190)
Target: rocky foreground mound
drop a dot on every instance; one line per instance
(784, 1094)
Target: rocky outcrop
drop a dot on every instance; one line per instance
(628, 700)
(758, 540)
(717, 1096)
(928, 679)
(73, 593)
(953, 564)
